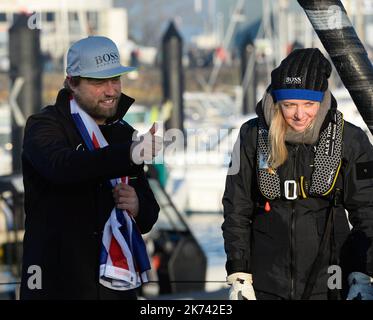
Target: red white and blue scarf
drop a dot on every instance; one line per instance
(123, 260)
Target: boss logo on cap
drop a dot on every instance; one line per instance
(293, 80)
(106, 58)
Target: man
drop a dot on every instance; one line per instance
(69, 198)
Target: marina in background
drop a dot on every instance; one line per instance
(221, 70)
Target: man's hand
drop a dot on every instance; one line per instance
(147, 146)
(125, 198)
(241, 286)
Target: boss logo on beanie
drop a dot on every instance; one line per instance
(302, 69)
(293, 80)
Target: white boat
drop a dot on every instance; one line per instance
(196, 175)
(200, 174)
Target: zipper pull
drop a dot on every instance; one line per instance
(267, 207)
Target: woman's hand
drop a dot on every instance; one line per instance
(125, 198)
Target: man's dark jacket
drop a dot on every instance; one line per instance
(68, 199)
(279, 247)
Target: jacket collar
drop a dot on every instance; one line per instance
(63, 105)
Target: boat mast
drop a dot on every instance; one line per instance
(332, 25)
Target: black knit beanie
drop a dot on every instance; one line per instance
(303, 74)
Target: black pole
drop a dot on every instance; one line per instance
(25, 63)
(334, 28)
(248, 77)
(173, 78)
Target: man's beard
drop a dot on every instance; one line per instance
(96, 112)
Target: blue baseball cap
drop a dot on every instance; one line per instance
(95, 57)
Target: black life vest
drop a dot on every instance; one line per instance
(327, 163)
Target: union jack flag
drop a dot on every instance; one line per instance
(123, 260)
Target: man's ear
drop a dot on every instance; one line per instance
(70, 83)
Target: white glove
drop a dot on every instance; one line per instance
(241, 286)
(146, 147)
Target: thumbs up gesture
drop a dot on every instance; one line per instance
(147, 146)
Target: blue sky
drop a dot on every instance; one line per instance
(149, 18)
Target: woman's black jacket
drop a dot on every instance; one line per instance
(278, 247)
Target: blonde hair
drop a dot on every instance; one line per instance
(278, 152)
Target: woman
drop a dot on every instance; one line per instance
(300, 167)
